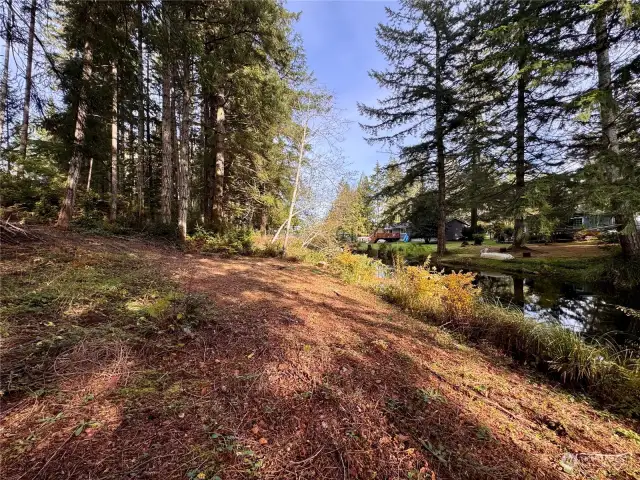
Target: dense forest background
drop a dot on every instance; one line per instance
(176, 116)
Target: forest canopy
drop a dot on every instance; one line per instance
(175, 116)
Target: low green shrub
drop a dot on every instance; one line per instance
(233, 241)
(297, 252)
(271, 250)
(478, 238)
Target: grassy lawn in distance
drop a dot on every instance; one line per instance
(575, 261)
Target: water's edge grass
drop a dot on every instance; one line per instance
(608, 374)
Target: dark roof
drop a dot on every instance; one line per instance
(457, 220)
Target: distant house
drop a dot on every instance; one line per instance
(453, 230)
(392, 233)
(582, 220)
(404, 227)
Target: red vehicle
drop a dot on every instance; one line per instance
(386, 236)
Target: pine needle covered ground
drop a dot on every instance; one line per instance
(129, 359)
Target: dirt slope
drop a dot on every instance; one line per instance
(289, 375)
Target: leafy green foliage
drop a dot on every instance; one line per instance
(237, 241)
(36, 187)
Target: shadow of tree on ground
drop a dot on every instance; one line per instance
(288, 374)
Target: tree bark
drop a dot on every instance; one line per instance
(4, 87)
(630, 244)
(66, 211)
(166, 193)
(209, 173)
(440, 154)
(140, 149)
(24, 130)
(113, 210)
(520, 167)
(264, 220)
(150, 163)
(294, 194)
(610, 145)
(474, 189)
(220, 140)
(608, 107)
(183, 161)
(474, 219)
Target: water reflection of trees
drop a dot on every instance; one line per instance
(577, 307)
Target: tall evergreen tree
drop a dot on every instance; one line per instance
(422, 45)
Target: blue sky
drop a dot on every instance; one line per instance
(339, 42)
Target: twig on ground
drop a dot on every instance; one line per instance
(50, 458)
(308, 458)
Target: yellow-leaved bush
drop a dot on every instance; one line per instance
(428, 291)
(358, 269)
(421, 289)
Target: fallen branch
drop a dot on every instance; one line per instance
(11, 233)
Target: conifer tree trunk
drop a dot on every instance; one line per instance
(24, 130)
(629, 236)
(175, 150)
(183, 160)
(113, 210)
(150, 163)
(66, 211)
(220, 133)
(520, 167)
(166, 192)
(475, 159)
(607, 102)
(209, 171)
(264, 220)
(440, 155)
(140, 150)
(4, 87)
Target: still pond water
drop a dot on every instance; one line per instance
(586, 309)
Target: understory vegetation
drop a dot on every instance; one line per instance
(610, 373)
(65, 302)
(234, 368)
